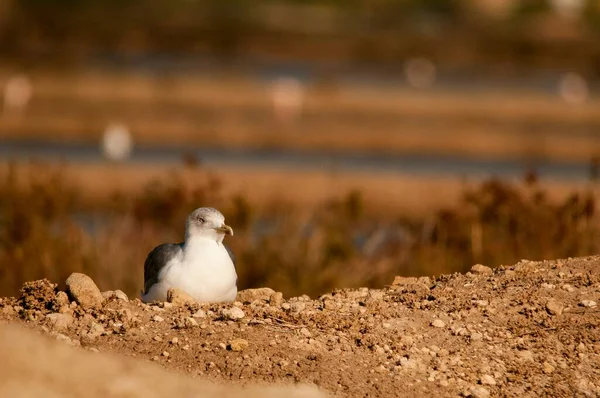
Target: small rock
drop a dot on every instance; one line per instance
(553, 307)
(588, 303)
(84, 291)
(62, 300)
(174, 341)
(297, 307)
(480, 392)
(250, 295)
(547, 286)
(438, 323)
(120, 295)
(8, 310)
(526, 355)
(179, 298)
(165, 354)
(59, 321)
(276, 299)
(548, 369)
(189, 322)
(233, 313)
(62, 337)
(199, 314)
(404, 280)
(96, 330)
(487, 380)
(476, 336)
(567, 288)
(237, 345)
(481, 269)
(157, 318)
(305, 332)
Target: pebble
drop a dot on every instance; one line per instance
(526, 355)
(548, 369)
(96, 330)
(567, 288)
(199, 314)
(238, 345)
(438, 323)
(588, 303)
(487, 380)
(84, 291)
(480, 392)
(250, 295)
(233, 313)
(59, 321)
(553, 307)
(157, 318)
(165, 354)
(481, 269)
(116, 294)
(179, 298)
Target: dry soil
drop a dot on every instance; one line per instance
(531, 329)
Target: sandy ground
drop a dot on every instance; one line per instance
(530, 329)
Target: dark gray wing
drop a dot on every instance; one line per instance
(231, 255)
(156, 260)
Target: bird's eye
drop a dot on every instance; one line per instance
(201, 220)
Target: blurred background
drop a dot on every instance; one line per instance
(345, 141)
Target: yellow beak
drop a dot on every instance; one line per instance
(225, 229)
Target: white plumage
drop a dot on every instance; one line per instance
(201, 266)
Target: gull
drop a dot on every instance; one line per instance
(201, 266)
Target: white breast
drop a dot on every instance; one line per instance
(204, 271)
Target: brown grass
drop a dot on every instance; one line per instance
(52, 225)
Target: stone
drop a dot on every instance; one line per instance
(199, 314)
(588, 303)
(438, 323)
(96, 330)
(179, 298)
(526, 355)
(480, 392)
(157, 318)
(481, 269)
(84, 291)
(548, 369)
(237, 345)
(233, 313)
(404, 280)
(62, 301)
(553, 307)
(115, 294)
(250, 295)
(487, 380)
(59, 322)
(276, 299)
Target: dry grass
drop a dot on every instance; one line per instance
(51, 227)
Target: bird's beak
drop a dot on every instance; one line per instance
(225, 229)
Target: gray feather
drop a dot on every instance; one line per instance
(231, 255)
(156, 260)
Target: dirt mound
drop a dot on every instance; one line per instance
(531, 328)
(59, 371)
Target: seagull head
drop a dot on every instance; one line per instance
(207, 222)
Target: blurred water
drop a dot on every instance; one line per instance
(306, 160)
